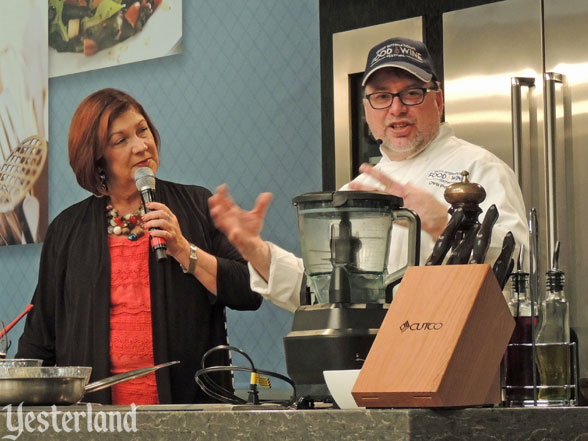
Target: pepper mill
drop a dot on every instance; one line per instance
(468, 196)
(461, 230)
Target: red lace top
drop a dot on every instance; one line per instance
(131, 338)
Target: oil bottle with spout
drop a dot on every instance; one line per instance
(518, 360)
(553, 340)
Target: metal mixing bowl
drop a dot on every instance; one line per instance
(20, 362)
(43, 385)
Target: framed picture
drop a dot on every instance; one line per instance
(93, 34)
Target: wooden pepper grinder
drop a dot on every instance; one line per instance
(467, 196)
(461, 234)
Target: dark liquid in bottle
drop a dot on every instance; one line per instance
(518, 363)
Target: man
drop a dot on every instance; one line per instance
(403, 105)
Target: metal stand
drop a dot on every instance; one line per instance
(569, 359)
(569, 389)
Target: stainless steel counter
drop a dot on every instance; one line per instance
(220, 422)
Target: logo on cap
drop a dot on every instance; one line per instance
(395, 50)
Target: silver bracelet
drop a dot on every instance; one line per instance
(193, 259)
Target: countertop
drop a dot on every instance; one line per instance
(271, 423)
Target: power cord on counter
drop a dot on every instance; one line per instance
(222, 394)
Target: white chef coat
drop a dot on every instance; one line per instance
(440, 164)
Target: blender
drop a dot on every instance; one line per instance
(345, 240)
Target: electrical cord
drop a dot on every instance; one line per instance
(214, 390)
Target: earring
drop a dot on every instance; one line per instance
(102, 177)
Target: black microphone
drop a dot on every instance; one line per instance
(145, 182)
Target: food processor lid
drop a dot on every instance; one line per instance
(341, 198)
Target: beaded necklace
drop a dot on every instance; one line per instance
(128, 225)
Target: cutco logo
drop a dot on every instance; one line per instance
(416, 326)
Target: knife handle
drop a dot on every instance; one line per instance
(507, 275)
(482, 241)
(461, 253)
(503, 261)
(444, 241)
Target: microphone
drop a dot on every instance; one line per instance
(145, 182)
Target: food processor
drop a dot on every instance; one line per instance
(345, 240)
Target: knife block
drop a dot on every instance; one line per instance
(441, 341)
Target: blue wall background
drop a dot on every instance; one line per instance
(240, 105)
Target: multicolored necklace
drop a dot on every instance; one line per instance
(128, 225)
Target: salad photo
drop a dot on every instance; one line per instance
(91, 25)
(91, 34)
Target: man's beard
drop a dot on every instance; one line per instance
(395, 148)
(418, 143)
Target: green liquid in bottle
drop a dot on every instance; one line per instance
(554, 371)
(553, 338)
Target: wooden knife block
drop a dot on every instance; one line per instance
(440, 343)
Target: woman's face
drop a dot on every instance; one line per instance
(130, 145)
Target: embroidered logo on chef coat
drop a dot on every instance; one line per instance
(443, 178)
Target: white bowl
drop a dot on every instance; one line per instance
(340, 384)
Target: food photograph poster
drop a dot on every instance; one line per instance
(23, 122)
(93, 34)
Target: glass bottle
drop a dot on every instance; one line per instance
(553, 338)
(518, 359)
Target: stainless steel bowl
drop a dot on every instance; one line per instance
(43, 385)
(20, 362)
(47, 385)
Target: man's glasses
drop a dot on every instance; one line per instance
(408, 97)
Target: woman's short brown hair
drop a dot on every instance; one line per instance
(88, 134)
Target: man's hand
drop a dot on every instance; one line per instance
(433, 213)
(243, 228)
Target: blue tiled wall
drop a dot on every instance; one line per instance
(240, 105)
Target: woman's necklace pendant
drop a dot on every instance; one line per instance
(129, 225)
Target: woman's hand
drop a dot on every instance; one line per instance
(162, 222)
(162, 217)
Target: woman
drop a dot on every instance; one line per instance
(103, 299)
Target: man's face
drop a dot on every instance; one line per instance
(404, 130)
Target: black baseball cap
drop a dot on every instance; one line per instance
(402, 53)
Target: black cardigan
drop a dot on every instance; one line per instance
(70, 322)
